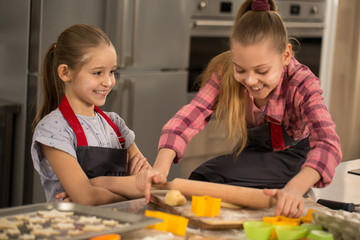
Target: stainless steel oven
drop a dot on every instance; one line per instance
(212, 20)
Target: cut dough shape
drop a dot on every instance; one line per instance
(63, 226)
(110, 222)
(175, 198)
(62, 220)
(37, 219)
(44, 232)
(86, 220)
(5, 224)
(3, 236)
(13, 231)
(33, 226)
(22, 217)
(74, 232)
(55, 214)
(27, 237)
(94, 228)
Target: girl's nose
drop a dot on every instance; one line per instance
(250, 79)
(107, 81)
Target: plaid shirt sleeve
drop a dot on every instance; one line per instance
(313, 118)
(325, 152)
(190, 119)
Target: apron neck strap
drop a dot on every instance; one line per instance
(113, 125)
(73, 121)
(277, 137)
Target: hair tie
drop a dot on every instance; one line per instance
(54, 45)
(260, 5)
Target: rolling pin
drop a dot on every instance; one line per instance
(244, 196)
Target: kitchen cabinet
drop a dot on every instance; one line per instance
(209, 143)
(7, 112)
(345, 91)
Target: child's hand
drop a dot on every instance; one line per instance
(136, 164)
(64, 196)
(145, 178)
(289, 204)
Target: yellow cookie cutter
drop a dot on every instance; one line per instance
(205, 206)
(171, 223)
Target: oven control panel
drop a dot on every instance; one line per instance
(290, 10)
(302, 17)
(218, 9)
(305, 11)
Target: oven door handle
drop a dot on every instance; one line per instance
(304, 25)
(224, 23)
(212, 23)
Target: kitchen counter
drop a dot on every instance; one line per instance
(139, 206)
(344, 186)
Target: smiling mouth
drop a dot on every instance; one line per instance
(100, 92)
(257, 87)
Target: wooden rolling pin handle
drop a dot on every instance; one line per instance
(244, 196)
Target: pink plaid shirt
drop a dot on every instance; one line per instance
(297, 102)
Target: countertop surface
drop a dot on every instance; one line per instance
(139, 206)
(344, 186)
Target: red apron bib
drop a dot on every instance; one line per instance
(96, 161)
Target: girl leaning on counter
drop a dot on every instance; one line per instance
(75, 143)
(272, 106)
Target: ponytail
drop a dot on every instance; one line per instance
(53, 87)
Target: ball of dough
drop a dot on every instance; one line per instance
(175, 198)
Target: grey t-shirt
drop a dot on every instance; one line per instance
(54, 131)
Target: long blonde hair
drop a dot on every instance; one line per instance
(70, 48)
(250, 27)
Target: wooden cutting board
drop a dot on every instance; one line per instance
(229, 218)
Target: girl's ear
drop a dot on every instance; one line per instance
(287, 55)
(64, 72)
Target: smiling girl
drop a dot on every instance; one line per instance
(283, 137)
(75, 143)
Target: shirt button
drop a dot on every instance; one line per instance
(104, 142)
(94, 121)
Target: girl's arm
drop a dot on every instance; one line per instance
(290, 201)
(178, 132)
(136, 161)
(74, 180)
(156, 175)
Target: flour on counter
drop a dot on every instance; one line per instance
(163, 236)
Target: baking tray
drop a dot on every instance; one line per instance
(135, 221)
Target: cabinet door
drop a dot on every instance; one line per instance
(146, 101)
(161, 34)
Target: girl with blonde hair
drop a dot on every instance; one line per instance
(271, 105)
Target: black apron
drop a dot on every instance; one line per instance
(96, 161)
(270, 159)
